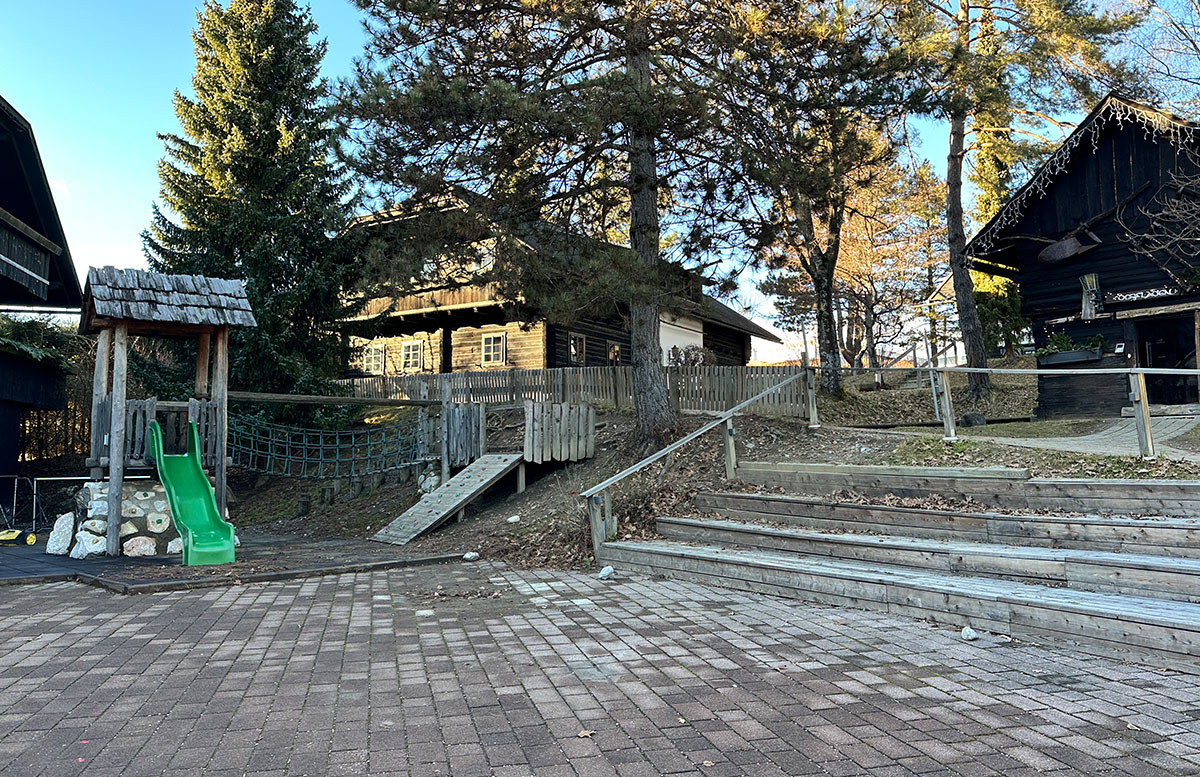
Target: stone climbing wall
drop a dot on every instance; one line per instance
(146, 525)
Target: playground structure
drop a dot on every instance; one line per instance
(118, 304)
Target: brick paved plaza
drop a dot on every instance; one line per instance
(499, 672)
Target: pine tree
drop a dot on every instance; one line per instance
(1006, 66)
(557, 112)
(250, 190)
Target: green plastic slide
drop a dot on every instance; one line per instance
(207, 539)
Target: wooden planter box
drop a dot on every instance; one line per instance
(1068, 357)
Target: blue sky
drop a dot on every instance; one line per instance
(96, 80)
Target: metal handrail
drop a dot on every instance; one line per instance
(722, 418)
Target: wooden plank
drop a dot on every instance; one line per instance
(116, 439)
(312, 399)
(220, 394)
(449, 499)
(202, 349)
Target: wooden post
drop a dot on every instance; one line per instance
(445, 431)
(730, 451)
(1141, 411)
(220, 385)
(1196, 315)
(521, 478)
(116, 438)
(810, 390)
(596, 521)
(951, 434)
(202, 348)
(99, 392)
(610, 521)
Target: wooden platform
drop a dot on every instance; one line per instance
(436, 507)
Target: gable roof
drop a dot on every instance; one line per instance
(162, 303)
(714, 311)
(35, 263)
(1113, 108)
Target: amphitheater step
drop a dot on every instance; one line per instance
(1088, 570)
(1177, 537)
(1113, 620)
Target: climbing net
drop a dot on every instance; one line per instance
(298, 452)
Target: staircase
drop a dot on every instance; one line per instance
(1107, 581)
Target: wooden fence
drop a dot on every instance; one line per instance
(559, 432)
(700, 389)
(172, 416)
(464, 432)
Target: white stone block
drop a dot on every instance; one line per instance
(128, 528)
(131, 510)
(175, 545)
(87, 544)
(97, 509)
(157, 522)
(139, 546)
(59, 541)
(95, 526)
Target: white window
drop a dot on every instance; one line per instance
(493, 349)
(412, 356)
(576, 349)
(614, 352)
(374, 358)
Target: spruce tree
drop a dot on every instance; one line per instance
(250, 190)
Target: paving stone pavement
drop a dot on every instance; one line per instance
(1117, 439)
(486, 671)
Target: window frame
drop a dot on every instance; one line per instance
(406, 347)
(608, 352)
(371, 353)
(484, 359)
(571, 361)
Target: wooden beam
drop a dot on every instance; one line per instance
(220, 379)
(99, 391)
(313, 399)
(116, 439)
(202, 347)
(1161, 310)
(29, 233)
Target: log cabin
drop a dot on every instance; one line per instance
(463, 326)
(36, 274)
(1103, 269)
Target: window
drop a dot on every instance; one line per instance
(493, 349)
(374, 358)
(614, 352)
(576, 349)
(412, 356)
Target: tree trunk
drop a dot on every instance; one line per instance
(978, 384)
(656, 418)
(827, 334)
(869, 333)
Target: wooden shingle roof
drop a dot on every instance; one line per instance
(155, 303)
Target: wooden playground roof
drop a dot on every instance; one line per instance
(155, 303)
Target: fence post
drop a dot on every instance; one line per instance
(810, 389)
(596, 521)
(610, 521)
(730, 451)
(951, 433)
(1141, 411)
(445, 431)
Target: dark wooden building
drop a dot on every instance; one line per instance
(36, 274)
(1083, 239)
(461, 324)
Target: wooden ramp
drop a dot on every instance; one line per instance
(455, 494)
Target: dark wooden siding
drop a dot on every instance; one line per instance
(732, 348)
(599, 333)
(1084, 396)
(31, 383)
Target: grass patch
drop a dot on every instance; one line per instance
(924, 452)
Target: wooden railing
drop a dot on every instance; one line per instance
(172, 416)
(695, 389)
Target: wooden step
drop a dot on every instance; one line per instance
(1178, 537)
(1009, 489)
(1126, 573)
(436, 507)
(1113, 620)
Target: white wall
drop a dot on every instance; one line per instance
(679, 331)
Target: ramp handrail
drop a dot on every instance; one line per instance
(598, 499)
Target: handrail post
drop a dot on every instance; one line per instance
(933, 387)
(1141, 411)
(610, 521)
(951, 433)
(596, 521)
(810, 389)
(730, 451)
